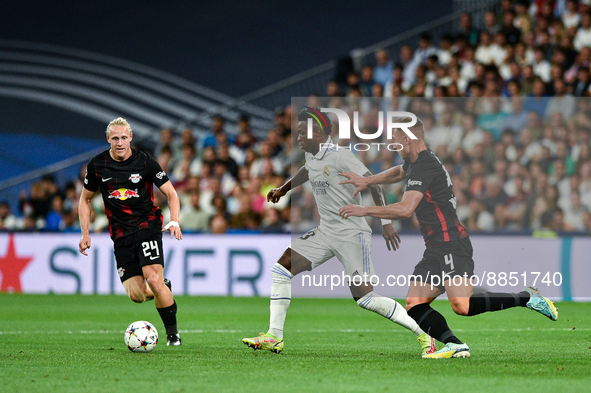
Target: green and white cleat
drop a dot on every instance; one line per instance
(427, 344)
(539, 303)
(265, 341)
(450, 350)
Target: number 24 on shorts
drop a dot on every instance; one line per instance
(147, 247)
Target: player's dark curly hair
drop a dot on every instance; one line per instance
(318, 117)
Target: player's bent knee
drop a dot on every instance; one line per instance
(137, 296)
(156, 283)
(410, 303)
(461, 308)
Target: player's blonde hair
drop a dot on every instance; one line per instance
(119, 122)
(418, 129)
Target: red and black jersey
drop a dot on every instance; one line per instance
(436, 212)
(128, 190)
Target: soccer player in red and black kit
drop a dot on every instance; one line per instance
(126, 178)
(448, 254)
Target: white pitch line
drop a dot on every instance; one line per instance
(226, 331)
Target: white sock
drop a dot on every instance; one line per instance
(391, 309)
(280, 299)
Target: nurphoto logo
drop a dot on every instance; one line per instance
(392, 122)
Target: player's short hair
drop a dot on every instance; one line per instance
(418, 129)
(321, 118)
(118, 122)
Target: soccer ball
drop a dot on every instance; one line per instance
(141, 336)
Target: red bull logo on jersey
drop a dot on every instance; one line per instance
(123, 193)
(135, 178)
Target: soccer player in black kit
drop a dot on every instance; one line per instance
(448, 251)
(126, 177)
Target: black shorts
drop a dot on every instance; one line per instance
(446, 259)
(136, 250)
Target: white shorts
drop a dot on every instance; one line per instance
(354, 252)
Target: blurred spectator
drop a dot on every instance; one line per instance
(166, 159)
(271, 221)
(182, 169)
(490, 23)
(494, 120)
(485, 52)
(479, 219)
(245, 138)
(166, 142)
(217, 127)
(512, 33)
(580, 86)
(562, 102)
(367, 81)
(546, 231)
(518, 117)
(541, 65)
(54, 220)
(214, 189)
(257, 167)
(8, 222)
(192, 217)
(473, 134)
(382, 72)
(512, 214)
(467, 30)
(571, 17)
(583, 36)
(494, 195)
(424, 51)
(219, 225)
(522, 19)
(445, 133)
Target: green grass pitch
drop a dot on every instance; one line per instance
(65, 344)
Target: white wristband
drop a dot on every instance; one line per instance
(385, 222)
(171, 224)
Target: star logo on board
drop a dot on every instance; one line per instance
(11, 268)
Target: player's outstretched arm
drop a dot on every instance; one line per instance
(175, 207)
(276, 193)
(403, 209)
(84, 210)
(392, 175)
(388, 231)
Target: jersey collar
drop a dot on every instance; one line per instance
(320, 155)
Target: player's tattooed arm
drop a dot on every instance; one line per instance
(389, 176)
(388, 231)
(300, 178)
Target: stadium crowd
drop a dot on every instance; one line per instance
(506, 108)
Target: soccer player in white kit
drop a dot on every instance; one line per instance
(348, 240)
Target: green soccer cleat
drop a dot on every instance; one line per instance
(539, 303)
(264, 341)
(427, 344)
(450, 350)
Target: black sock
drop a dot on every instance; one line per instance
(433, 323)
(496, 301)
(168, 315)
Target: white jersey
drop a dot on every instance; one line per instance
(323, 172)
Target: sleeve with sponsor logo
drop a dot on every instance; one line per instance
(348, 161)
(419, 178)
(90, 180)
(156, 173)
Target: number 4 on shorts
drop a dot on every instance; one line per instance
(449, 260)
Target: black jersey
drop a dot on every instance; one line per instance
(436, 212)
(128, 190)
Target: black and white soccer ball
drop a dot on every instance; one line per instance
(141, 336)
